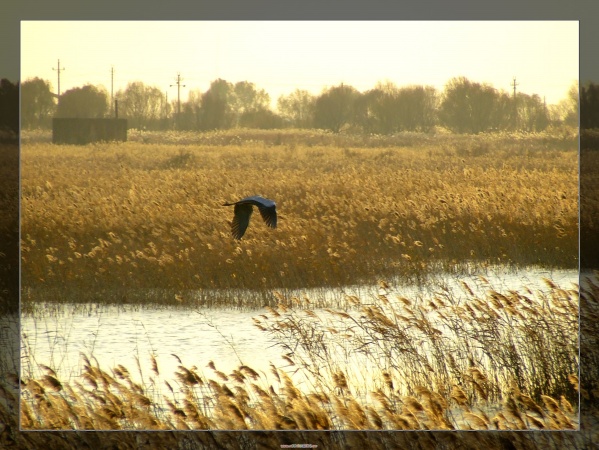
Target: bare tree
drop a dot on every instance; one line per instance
(143, 105)
(216, 111)
(468, 107)
(532, 114)
(297, 108)
(387, 109)
(335, 107)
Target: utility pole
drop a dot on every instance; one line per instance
(58, 70)
(165, 104)
(178, 84)
(112, 88)
(514, 84)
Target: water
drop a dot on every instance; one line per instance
(129, 335)
(124, 335)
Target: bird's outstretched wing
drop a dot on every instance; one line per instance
(243, 211)
(269, 215)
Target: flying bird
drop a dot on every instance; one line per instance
(243, 210)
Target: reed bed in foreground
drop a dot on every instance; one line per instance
(121, 217)
(481, 348)
(508, 361)
(247, 400)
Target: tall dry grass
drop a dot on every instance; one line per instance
(246, 400)
(345, 415)
(485, 347)
(504, 361)
(108, 220)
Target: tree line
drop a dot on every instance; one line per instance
(9, 109)
(464, 106)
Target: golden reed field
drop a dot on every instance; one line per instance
(142, 221)
(142, 214)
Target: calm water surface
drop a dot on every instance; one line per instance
(128, 335)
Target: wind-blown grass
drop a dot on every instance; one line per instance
(106, 220)
(488, 345)
(506, 360)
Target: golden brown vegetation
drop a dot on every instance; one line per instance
(350, 411)
(248, 401)
(474, 349)
(123, 217)
(503, 362)
(107, 399)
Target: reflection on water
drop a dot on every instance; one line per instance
(119, 335)
(129, 335)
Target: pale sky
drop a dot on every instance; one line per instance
(280, 56)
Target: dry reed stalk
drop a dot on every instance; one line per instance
(529, 404)
(460, 397)
(413, 404)
(535, 422)
(512, 412)
(478, 422)
(139, 218)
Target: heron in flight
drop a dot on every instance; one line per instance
(243, 210)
